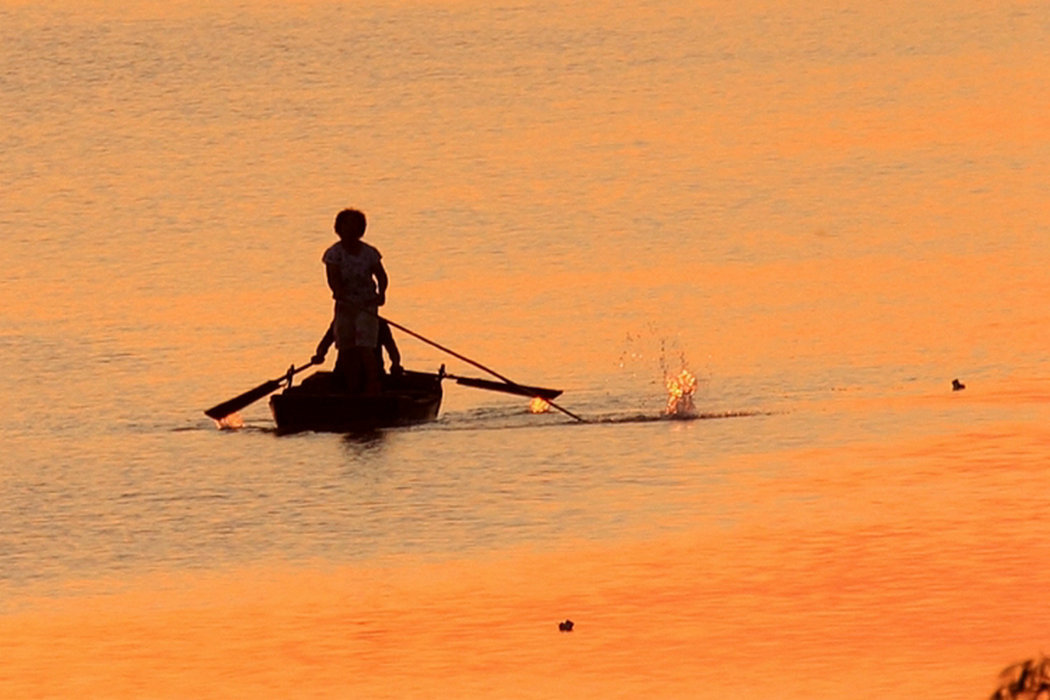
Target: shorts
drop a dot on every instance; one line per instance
(355, 326)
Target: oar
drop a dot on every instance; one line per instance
(235, 404)
(480, 366)
(518, 389)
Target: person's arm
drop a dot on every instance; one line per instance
(386, 339)
(335, 280)
(322, 347)
(382, 281)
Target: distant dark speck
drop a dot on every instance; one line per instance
(565, 626)
(957, 385)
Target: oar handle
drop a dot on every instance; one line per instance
(293, 370)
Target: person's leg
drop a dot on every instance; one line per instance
(370, 370)
(366, 339)
(348, 370)
(347, 362)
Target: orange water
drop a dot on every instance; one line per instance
(824, 213)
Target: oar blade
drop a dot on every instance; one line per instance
(517, 389)
(235, 404)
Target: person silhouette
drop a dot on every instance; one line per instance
(358, 281)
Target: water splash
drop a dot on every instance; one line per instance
(680, 390)
(539, 405)
(681, 384)
(230, 422)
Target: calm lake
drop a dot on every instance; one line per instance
(823, 213)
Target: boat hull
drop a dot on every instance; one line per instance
(317, 405)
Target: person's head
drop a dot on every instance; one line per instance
(350, 224)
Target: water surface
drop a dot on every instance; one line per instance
(825, 213)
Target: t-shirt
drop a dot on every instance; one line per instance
(355, 270)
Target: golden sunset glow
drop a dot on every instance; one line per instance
(748, 244)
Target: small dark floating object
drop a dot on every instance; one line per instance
(957, 385)
(565, 626)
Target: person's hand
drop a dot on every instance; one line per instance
(396, 370)
(317, 359)
(381, 299)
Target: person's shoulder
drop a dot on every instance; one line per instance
(333, 253)
(372, 250)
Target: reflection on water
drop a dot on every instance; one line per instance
(359, 443)
(881, 566)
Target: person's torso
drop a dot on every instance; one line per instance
(355, 270)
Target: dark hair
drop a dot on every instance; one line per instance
(350, 223)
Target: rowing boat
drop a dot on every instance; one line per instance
(321, 403)
(318, 404)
